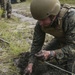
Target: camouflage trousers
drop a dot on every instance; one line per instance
(6, 7)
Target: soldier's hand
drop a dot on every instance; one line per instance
(28, 69)
(43, 54)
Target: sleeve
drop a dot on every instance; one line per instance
(68, 51)
(38, 40)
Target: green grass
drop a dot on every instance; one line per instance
(68, 1)
(15, 37)
(0, 11)
(63, 1)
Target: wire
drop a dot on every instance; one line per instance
(59, 68)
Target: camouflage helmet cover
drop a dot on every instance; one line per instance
(41, 9)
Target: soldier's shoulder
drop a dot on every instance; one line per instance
(69, 21)
(70, 17)
(71, 14)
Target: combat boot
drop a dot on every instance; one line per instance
(8, 15)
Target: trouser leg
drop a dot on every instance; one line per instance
(9, 9)
(73, 67)
(3, 6)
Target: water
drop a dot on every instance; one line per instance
(23, 17)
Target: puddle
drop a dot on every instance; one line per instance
(23, 17)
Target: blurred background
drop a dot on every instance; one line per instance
(68, 1)
(62, 1)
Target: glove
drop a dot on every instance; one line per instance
(43, 55)
(28, 69)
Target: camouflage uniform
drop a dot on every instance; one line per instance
(63, 43)
(6, 7)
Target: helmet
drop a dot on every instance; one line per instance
(41, 9)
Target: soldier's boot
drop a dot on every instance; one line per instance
(9, 10)
(8, 15)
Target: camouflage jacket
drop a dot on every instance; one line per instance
(68, 22)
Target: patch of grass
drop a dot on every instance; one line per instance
(15, 19)
(0, 12)
(3, 25)
(62, 1)
(15, 36)
(68, 1)
(18, 46)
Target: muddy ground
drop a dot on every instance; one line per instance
(16, 37)
(22, 12)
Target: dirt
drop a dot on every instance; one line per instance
(23, 26)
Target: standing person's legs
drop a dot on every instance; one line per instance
(3, 6)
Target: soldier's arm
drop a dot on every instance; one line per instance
(38, 40)
(68, 51)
